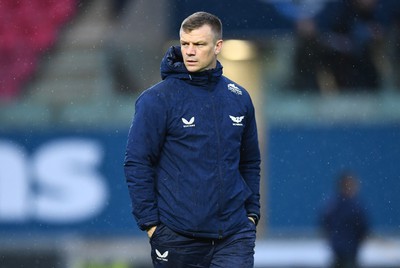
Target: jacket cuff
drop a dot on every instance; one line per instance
(148, 225)
(255, 217)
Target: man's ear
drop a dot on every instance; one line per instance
(218, 47)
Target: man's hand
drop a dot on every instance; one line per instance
(150, 231)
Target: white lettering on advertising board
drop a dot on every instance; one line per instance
(58, 183)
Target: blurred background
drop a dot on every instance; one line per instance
(324, 76)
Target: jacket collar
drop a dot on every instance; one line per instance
(172, 66)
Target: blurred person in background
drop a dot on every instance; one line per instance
(351, 44)
(192, 161)
(341, 57)
(394, 44)
(127, 46)
(308, 58)
(345, 222)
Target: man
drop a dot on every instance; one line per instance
(345, 223)
(192, 162)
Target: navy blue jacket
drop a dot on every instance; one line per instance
(345, 222)
(192, 160)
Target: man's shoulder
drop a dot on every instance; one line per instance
(163, 92)
(155, 90)
(164, 86)
(234, 87)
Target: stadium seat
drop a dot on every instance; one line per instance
(27, 29)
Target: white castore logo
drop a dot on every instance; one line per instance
(233, 88)
(237, 120)
(189, 123)
(162, 257)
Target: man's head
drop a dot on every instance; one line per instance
(348, 184)
(201, 41)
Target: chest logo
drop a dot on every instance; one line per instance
(233, 88)
(237, 120)
(188, 123)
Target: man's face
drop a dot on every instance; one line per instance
(199, 49)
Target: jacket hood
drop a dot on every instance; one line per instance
(172, 66)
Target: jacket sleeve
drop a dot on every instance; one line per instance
(250, 161)
(145, 140)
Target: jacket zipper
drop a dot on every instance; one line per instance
(218, 139)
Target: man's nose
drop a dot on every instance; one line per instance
(191, 50)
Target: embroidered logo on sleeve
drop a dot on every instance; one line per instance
(188, 123)
(237, 120)
(233, 88)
